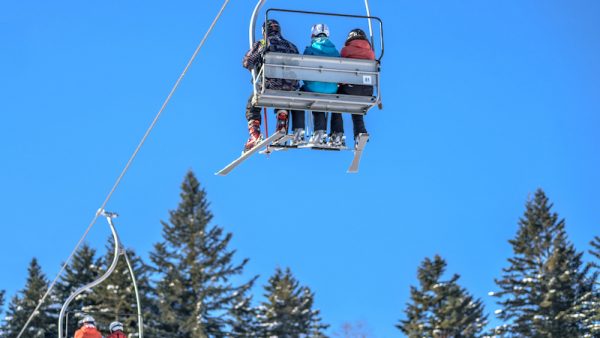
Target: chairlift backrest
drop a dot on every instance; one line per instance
(321, 68)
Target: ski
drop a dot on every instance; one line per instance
(278, 145)
(322, 147)
(273, 138)
(358, 149)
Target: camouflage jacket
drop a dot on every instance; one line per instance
(276, 43)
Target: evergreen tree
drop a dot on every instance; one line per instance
(1, 311)
(589, 308)
(545, 280)
(114, 299)
(195, 269)
(288, 312)
(83, 269)
(441, 309)
(43, 324)
(594, 315)
(595, 251)
(245, 323)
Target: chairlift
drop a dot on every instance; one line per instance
(119, 251)
(317, 68)
(313, 68)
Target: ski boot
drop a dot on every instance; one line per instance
(282, 126)
(282, 121)
(255, 135)
(318, 139)
(337, 140)
(358, 138)
(298, 139)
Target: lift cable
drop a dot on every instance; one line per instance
(129, 162)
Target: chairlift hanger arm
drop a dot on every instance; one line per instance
(117, 251)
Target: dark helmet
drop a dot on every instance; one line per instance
(271, 26)
(356, 34)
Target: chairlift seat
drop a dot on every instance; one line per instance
(318, 68)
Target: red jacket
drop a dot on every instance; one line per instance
(117, 334)
(358, 49)
(88, 331)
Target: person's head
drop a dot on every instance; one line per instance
(271, 27)
(88, 320)
(319, 30)
(115, 326)
(356, 34)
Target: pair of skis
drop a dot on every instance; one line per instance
(280, 138)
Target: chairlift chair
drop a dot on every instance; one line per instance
(317, 68)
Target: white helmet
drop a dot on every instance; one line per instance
(114, 326)
(319, 28)
(89, 319)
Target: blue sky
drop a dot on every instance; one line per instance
(484, 102)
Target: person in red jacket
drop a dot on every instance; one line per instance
(357, 46)
(88, 329)
(116, 330)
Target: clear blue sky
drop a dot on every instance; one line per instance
(484, 101)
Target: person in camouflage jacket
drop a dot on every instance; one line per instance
(253, 60)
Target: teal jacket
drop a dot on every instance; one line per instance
(321, 46)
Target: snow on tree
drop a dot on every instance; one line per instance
(589, 307)
(195, 270)
(441, 308)
(288, 310)
(43, 324)
(245, 318)
(545, 281)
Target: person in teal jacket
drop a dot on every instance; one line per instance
(321, 46)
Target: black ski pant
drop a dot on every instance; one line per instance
(253, 113)
(319, 118)
(358, 122)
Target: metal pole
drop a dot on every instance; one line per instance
(67, 325)
(137, 296)
(370, 24)
(96, 282)
(252, 38)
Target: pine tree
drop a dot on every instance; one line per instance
(589, 307)
(245, 323)
(195, 269)
(595, 251)
(114, 299)
(43, 325)
(545, 280)
(1, 311)
(288, 312)
(83, 269)
(594, 315)
(441, 309)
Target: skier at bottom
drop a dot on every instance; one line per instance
(116, 330)
(88, 329)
